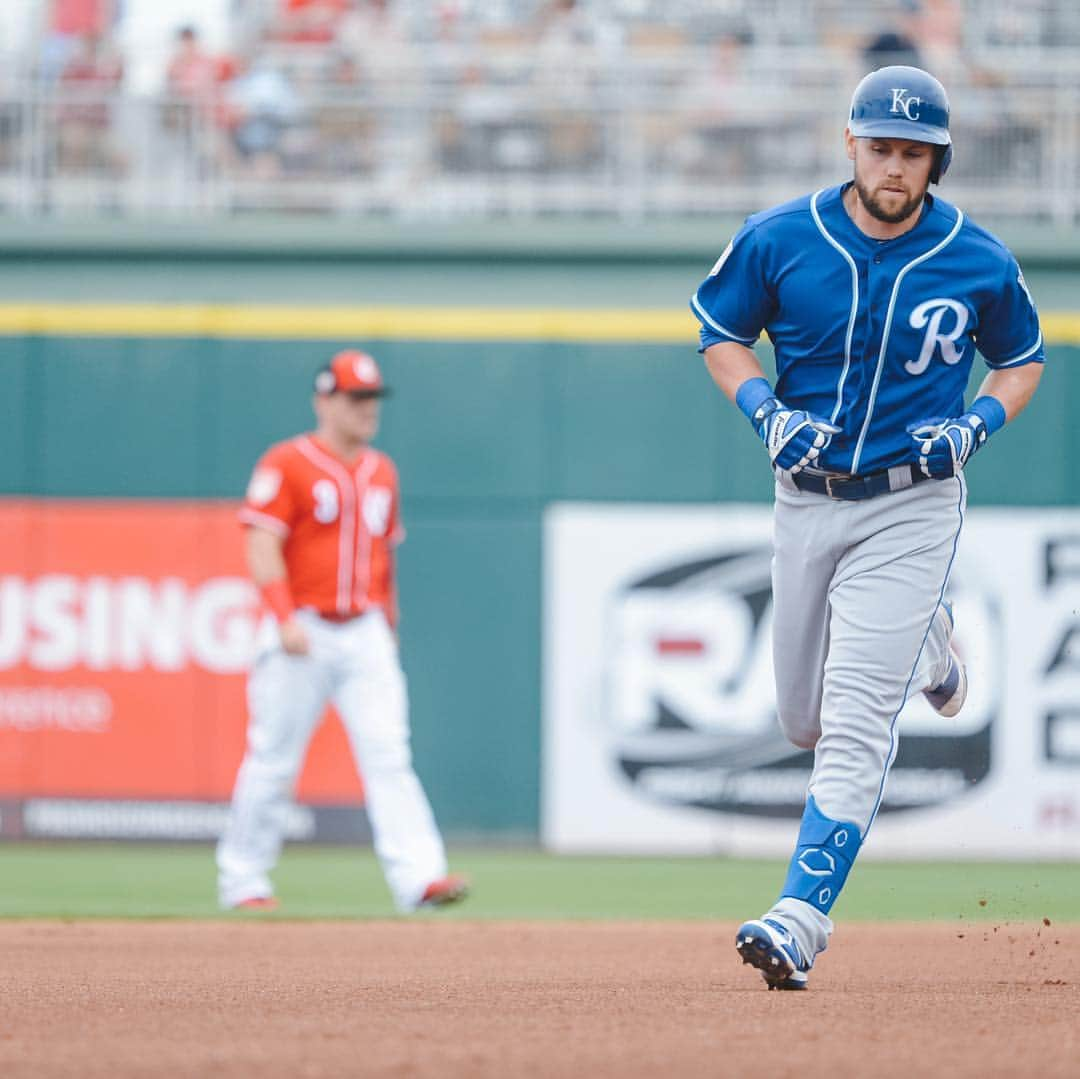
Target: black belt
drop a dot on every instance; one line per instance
(853, 488)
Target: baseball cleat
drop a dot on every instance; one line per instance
(768, 946)
(265, 903)
(445, 890)
(947, 698)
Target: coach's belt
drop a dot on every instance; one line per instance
(854, 488)
(337, 616)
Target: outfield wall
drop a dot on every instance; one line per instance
(497, 415)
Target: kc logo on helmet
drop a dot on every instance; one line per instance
(902, 101)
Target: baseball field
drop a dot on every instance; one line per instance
(117, 962)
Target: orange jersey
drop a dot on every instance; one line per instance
(340, 522)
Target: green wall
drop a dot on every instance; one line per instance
(485, 435)
(477, 428)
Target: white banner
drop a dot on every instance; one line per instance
(660, 733)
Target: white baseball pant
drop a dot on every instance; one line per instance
(355, 665)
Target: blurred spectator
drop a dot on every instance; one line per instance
(89, 85)
(898, 41)
(582, 24)
(938, 29)
(926, 33)
(718, 136)
(344, 127)
(68, 23)
(261, 105)
(193, 111)
(308, 21)
(571, 47)
(491, 131)
(11, 117)
(79, 17)
(377, 34)
(714, 88)
(451, 25)
(1017, 26)
(566, 34)
(193, 73)
(344, 73)
(891, 47)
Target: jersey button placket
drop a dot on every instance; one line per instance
(862, 346)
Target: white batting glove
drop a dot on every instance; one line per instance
(794, 438)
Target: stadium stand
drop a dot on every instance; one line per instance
(612, 108)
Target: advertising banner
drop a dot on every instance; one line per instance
(660, 730)
(126, 629)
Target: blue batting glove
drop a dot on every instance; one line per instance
(794, 438)
(945, 446)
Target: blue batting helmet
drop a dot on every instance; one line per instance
(903, 103)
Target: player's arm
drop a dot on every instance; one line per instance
(1009, 326)
(1013, 387)
(794, 438)
(731, 365)
(944, 447)
(266, 563)
(733, 304)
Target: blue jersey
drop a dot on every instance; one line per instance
(873, 335)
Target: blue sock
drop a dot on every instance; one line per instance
(824, 853)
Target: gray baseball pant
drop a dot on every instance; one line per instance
(855, 589)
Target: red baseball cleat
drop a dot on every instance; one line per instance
(445, 890)
(257, 902)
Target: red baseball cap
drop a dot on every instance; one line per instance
(352, 371)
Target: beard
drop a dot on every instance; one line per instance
(875, 209)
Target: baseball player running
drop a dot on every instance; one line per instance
(875, 295)
(323, 518)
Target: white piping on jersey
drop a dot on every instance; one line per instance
(885, 334)
(249, 516)
(362, 570)
(346, 535)
(706, 317)
(997, 365)
(854, 304)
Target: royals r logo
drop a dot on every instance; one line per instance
(930, 314)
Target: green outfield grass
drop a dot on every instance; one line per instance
(136, 881)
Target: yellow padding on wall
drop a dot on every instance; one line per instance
(404, 323)
(252, 321)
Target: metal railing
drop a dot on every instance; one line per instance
(667, 137)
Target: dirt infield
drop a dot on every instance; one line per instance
(457, 999)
